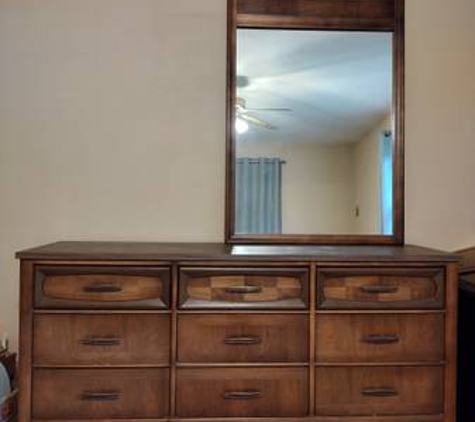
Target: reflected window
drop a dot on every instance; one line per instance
(259, 195)
(387, 183)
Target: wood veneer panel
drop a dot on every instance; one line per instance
(380, 338)
(101, 339)
(242, 392)
(379, 391)
(383, 288)
(135, 251)
(243, 338)
(337, 14)
(101, 287)
(243, 288)
(26, 340)
(98, 394)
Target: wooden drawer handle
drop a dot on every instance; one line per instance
(379, 289)
(242, 395)
(102, 288)
(100, 396)
(380, 339)
(101, 341)
(243, 341)
(379, 392)
(243, 289)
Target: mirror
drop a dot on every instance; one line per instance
(313, 129)
(313, 132)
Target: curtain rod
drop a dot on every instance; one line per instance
(256, 160)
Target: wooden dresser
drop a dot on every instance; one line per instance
(148, 331)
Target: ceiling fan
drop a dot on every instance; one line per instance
(246, 116)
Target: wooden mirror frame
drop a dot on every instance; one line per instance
(344, 15)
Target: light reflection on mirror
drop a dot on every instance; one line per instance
(314, 144)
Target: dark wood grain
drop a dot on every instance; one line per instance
(450, 398)
(282, 392)
(320, 14)
(101, 287)
(403, 418)
(134, 251)
(251, 288)
(140, 393)
(360, 391)
(380, 338)
(61, 340)
(287, 366)
(243, 338)
(26, 340)
(370, 288)
(348, 15)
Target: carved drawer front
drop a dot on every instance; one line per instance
(102, 287)
(400, 288)
(101, 339)
(238, 392)
(100, 394)
(358, 391)
(250, 288)
(243, 338)
(380, 338)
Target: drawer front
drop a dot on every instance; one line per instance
(241, 392)
(100, 394)
(370, 288)
(101, 339)
(357, 391)
(247, 288)
(380, 338)
(102, 287)
(243, 338)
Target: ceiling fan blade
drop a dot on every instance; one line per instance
(258, 122)
(284, 110)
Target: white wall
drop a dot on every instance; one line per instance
(112, 124)
(112, 117)
(440, 123)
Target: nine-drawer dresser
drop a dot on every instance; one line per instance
(148, 331)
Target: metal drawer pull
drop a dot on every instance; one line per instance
(379, 392)
(102, 288)
(100, 396)
(244, 340)
(242, 395)
(380, 339)
(243, 289)
(101, 341)
(382, 289)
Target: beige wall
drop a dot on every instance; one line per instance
(317, 184)
(367, 179)
(112, 124)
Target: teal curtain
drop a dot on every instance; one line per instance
(258, 195)
(387, 183)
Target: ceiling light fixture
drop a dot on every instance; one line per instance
(241, 126)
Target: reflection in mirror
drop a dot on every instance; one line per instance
(314, 147)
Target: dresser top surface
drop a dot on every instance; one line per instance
(102, 251)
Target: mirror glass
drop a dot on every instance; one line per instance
(313, 132)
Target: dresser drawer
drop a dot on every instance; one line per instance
(243, 338)
(370, 288)
(100, 394)
(101, 339)
(239, 392)
(245, 288)
(380, 338)
(102, 287)
(358, 391)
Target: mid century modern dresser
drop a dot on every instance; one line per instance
(145, 331)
